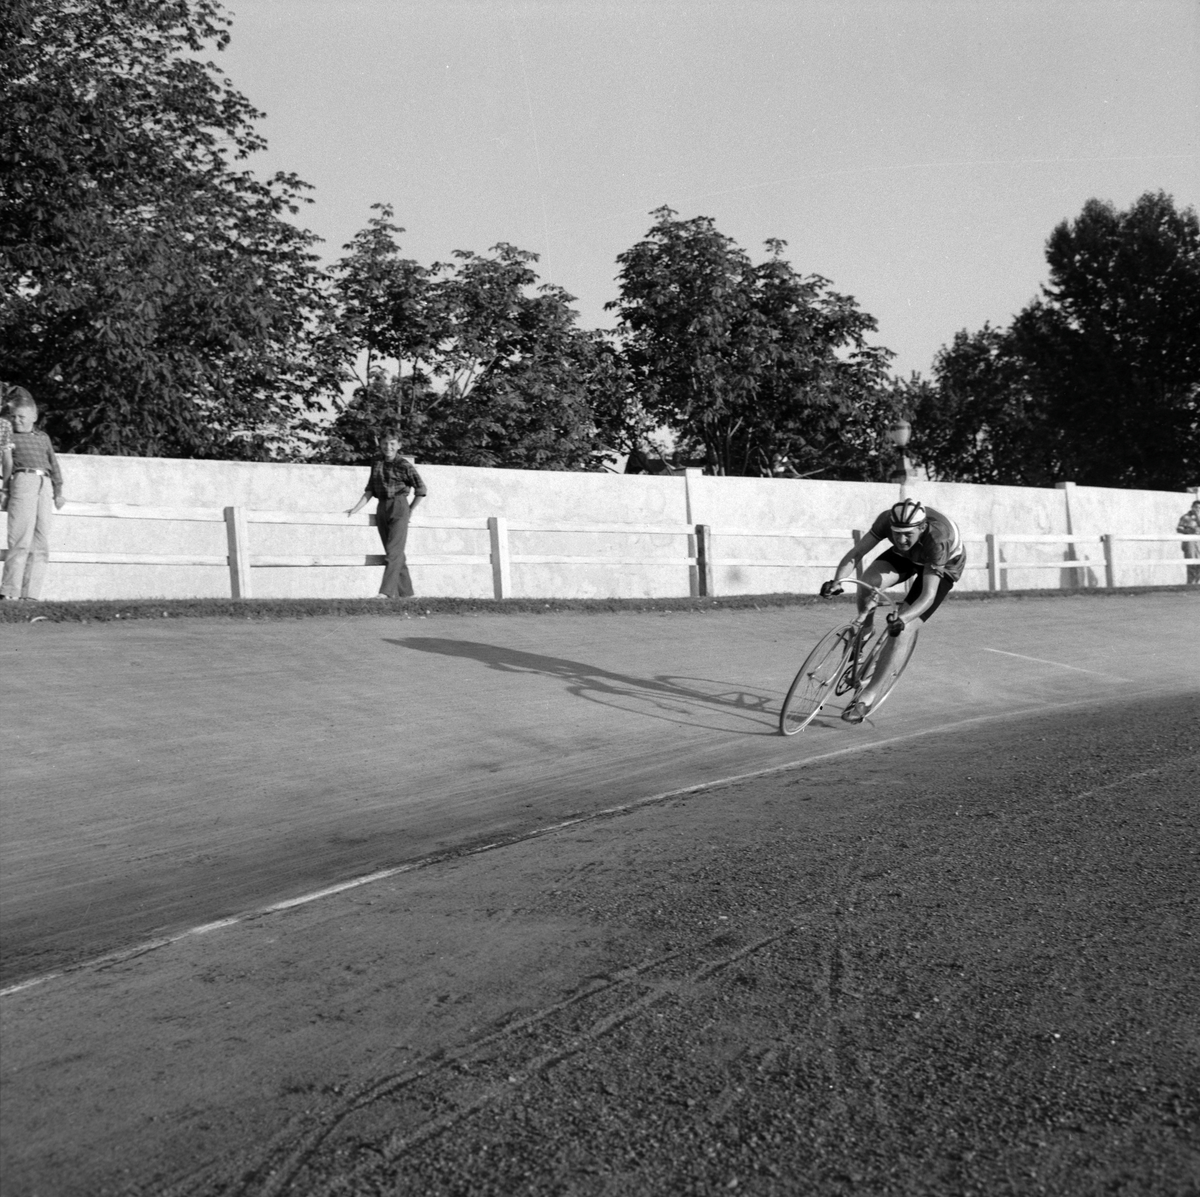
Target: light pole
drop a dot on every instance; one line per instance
(898, 435)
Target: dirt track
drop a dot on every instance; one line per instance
(964, 963)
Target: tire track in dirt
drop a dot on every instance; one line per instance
(494, 1070)
(272, 1172)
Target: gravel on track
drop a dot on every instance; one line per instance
(965, 966)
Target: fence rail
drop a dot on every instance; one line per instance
(1107, 541)
(699, 556)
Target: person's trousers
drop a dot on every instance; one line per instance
(1191, 548)
(30, 506)
(391, 518)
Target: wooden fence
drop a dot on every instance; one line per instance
(696, 553)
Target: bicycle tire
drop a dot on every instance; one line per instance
(815, 679)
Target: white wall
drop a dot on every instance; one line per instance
(732, 507)
(1133, 513)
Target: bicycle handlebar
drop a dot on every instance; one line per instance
(880, 595)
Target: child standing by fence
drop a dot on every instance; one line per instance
(34, 490)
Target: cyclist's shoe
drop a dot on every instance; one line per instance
(856, 712)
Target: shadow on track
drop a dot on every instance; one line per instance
(604, 686)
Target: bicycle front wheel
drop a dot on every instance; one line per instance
(817, 677)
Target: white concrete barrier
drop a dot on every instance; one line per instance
(153, 527)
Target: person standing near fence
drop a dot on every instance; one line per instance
(35, 489)
(1189, 525)
(392, 477)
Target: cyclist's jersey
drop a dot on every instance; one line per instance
(939, 548)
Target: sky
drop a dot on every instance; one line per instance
(917, 153)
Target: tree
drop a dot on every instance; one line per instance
(1098, 380)
(1114, 346)
(155, 294)
(384, 311)
(471, 360)
(750, 365)
(978, 420)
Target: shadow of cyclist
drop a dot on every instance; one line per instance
(666, 692)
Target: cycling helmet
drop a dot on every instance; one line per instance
(908, 513)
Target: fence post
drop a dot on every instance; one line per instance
(1079, 575)
(857, 534)
(239, 553)
(993, 552)
(688, 474)
(501, 565)
(704, 576)
(1110, 565)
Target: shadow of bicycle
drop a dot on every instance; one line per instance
(671, 697)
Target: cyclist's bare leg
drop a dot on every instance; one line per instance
(883, 670)
(877, 575)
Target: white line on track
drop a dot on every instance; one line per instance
(608, 812)
(1112, 677)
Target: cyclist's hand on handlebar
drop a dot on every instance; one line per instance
(831, 588)
(895, 624)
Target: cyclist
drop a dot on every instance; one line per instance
(926, 545)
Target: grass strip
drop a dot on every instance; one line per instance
(109, 610)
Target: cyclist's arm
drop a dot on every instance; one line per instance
(909, 612)
(861, 549)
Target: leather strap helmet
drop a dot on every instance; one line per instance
(907, 515)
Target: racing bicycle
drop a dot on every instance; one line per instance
(842, 664)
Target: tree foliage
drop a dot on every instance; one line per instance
(979, 418)
(1097, 380)
(750, 365)
(155, 294)
(472, 361)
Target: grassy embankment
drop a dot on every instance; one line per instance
(106, 610)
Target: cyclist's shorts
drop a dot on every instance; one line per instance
(906, 569)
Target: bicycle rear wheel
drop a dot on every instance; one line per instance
(817, 677)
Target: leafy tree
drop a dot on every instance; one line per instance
(472, 361)
(978, 420)
(384, 311)
(153, 292)
(1098, 380)
(1114, 345)
(750, 365)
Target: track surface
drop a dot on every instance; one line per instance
(962, 962)
(162, 775)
